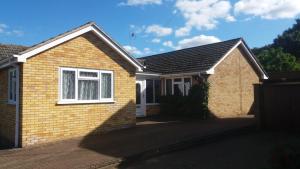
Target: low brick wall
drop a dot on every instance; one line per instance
(152, 110)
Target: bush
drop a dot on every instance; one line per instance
(195, 104)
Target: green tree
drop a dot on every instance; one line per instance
(289, 40)
(275, 60)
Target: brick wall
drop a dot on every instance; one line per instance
(43, 120)
(231, 87)
(152, 110)
(7, 112)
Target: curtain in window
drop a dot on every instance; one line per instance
(178, 89)
(88, 89)
(68, 85)
(105, 85)
(187, 86)
(88, 74)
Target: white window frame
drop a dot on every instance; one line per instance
(182, 83)
(14, 92)
(153, 88)
(77, 78)
(112, 86)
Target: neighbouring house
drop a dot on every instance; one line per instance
(82, 82)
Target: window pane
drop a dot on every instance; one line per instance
(178, 89)
(138, 93)
(187, 86)
(88, 90)
(168, 87)
(157, 91)
(68, 85)
(88, 74)
(106, 85)
(149, 91)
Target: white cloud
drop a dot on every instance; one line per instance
(169, 44)
(132, 50)
(183, 31)
(135, 51)
(159, 30)
(155, 40)
(3, 27)
(202, 14)
(197, 41)
(5, 30)
(140, 2)
(147, 51)
(191, 42)
(269, 9)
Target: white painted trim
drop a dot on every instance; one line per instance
(182, 82)
(181, 74)
(212, 69)
(117, 49)
(23, 57)
(148, 74)
(86, 102)
(77, 78)
(112, 86)
(143, 98)
(153, 88)
(255, 62)
(17, 125)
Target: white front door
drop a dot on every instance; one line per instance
(140, 99)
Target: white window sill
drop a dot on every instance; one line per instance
(85, 102)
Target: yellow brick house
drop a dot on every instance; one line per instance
(82, 82)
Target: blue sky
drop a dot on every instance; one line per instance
(158, 25)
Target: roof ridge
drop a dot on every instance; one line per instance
(145, 57)
(61, 34)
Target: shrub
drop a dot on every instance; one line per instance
(195, 104)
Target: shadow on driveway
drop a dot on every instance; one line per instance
(100, 150)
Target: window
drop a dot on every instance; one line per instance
(178, 86)
(12, 86)
(157, 90)
(88, 85)
(149, 91)
(169, 87)
(152, 91)
(83, 85)
(187, 85)
(106, 85)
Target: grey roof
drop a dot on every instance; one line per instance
(195, 59)
(21, 49)
(77, 29)
(7, 50)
